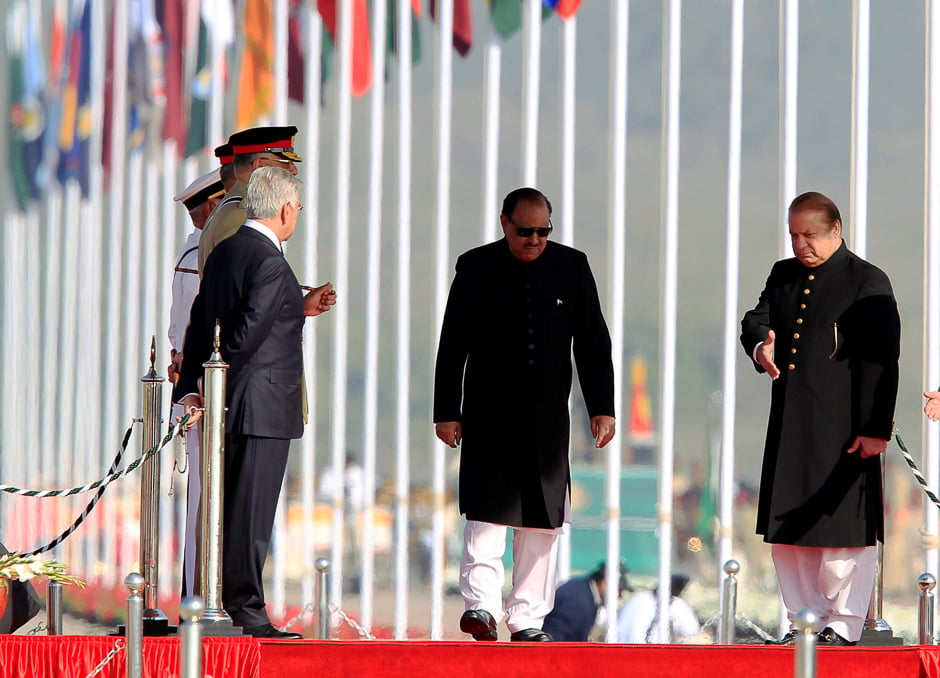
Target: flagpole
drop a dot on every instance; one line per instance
(932, 275)
(373, 301)
(280, 61)
(441, 274)
(732, 264)
(530, 90)
(671, 68)
(492, 65)
(861, 53)
(341, 319)
(403, 321)
(311, 216)
(789, 73)
(617, 178)
(569, 35)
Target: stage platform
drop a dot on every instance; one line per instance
(77, 656)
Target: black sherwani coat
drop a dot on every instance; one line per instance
(504, 371)
(837, 346)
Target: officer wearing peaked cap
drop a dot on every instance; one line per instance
(226, 164)
(199, 199)
(251, 149)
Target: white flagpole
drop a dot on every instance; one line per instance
(445, 29)
(932, 272)
(403, 322)
(311, 216)
(671, 81)
(280, 61)
(617, 181)
(861, 53)
(492, 67)
(789, 74)
(530, 90)
(732, 263)
(373, 301)
(341, 276)
(569, 37)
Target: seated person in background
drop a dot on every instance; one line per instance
(577, 603)
(638, 621)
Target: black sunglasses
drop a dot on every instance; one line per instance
(526, 232)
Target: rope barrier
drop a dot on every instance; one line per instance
(916, 471)
(107, 480)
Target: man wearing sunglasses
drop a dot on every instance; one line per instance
(516, 310)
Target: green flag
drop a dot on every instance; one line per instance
(392, 33)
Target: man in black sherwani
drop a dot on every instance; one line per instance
(250, 288)
(826, 330)
(517, 308)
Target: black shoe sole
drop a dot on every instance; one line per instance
(478, 628)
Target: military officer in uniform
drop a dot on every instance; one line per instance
(827, 332)
(226, 165)
(199, 199)
(251, 149)
(516, 309)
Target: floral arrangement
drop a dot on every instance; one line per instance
(23, 568)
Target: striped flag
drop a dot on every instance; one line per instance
(362, 41)
(76, 124)
(256, 86)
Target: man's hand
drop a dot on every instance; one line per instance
(868, 447)
(319, 300)
(449, 432)
(192, 405)
(765, 355)
(932, 408)
(173, 369)
(603, 429)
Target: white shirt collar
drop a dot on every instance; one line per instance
(265, 231)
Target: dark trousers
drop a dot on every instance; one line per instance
(254, 471)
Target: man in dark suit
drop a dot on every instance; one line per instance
(516, 309)
(252, 291)
(827, 332)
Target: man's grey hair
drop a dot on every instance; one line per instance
(269, 189)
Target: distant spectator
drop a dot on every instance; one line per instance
(578, 602)
(638, 621)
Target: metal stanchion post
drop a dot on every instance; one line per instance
(876, 630)
(134, 633)
(806, 623)
(155, 621)
(191, 609)
(54, 608)
(215, 619)
(322, 566)
(927, 583)
(729, 603)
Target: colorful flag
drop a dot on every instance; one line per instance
(506, 16)
(75, 128)
(256, 87)
(567, 8)
(173, 25)
(391, 40)
(463, 26)
(216, 34)
(27, 117)
(362, 41)
(641, 414)
(296, 71)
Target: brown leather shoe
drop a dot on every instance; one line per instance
(268, 632)
(531, 636)
(480, 624)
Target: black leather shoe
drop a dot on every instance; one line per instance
(788, 639)
(829, 637)
(269, 632)
(480, 624)
(531, 636)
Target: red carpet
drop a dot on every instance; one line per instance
(77, 656)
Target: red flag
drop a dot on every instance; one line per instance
(567, 8)
(463, 25)
(362, 41)
(641, 414)
(295, 53)
(174, 117)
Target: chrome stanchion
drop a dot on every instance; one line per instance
(927, 583)
(806, 623)
(155, 621)
(191, 610)
(134, 633)
(54, 608)
(215, 619)
(322, 566)
(876, 630)
(729, 603)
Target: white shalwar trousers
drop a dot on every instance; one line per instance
(534, 557)
(836, 583)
